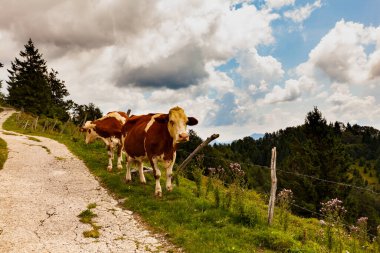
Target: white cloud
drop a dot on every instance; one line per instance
(290, 92)
(277, 4)
(302, 13)
(347, 107)
(259, 69)
(341, 55)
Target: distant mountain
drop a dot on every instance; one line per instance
(257, 136)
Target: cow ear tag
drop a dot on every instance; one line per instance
(191, 121)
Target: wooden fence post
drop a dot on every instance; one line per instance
(35, 123)
(199, 148)
(273, 190)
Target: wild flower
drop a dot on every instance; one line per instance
(216, 171)
(333, 209)
(362, 228)
(362, 221)
(236, 170)
(354, 229)
(284, 199)
(285, 196)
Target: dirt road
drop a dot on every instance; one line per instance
(43, 187)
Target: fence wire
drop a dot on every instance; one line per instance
(292, 173)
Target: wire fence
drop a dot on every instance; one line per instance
(293, 173)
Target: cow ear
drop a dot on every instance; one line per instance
(164, 118)
(191, 121)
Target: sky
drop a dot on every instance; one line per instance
(239, 67)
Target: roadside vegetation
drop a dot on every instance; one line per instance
(86, 218)
(206, 214)
(3, 153)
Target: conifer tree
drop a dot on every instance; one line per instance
(28, 85)
(58, 90)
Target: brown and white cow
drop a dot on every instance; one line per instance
(109, 129)
(155, 137)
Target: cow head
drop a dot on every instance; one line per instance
(89, 129)
(177, 123)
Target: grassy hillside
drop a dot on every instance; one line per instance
(201, 216)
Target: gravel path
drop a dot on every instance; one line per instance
(43, 188)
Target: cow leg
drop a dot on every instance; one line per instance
(169, 173)
(110, 156)
(128, 177)
(157, 175)
(141, 173)
(119, 156)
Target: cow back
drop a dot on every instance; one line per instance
(108, 127)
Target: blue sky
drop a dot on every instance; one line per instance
(240, 67)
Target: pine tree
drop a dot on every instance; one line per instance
(82, 113)
(28, 86)
(58, 90)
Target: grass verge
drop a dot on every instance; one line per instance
(3, 153)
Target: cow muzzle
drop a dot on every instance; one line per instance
(183, 137)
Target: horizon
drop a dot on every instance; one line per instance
(239, 67)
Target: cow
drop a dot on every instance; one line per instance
(154, 137)
(109, 129)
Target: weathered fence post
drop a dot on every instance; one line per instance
(273, 189)
(26, 124)
(199, 148)
(35, 123)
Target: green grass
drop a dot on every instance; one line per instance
(34, 139)
(3, 153)
(86, 217)
(192, 219)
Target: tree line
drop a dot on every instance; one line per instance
(33, 88)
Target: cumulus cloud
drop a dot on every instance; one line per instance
(259, 70)
(351, 108)
(302, 13)
(341, 55)
(72, 24)
(290, 92)
(182, 69)
(276, 4)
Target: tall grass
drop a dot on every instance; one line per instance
(200, 216)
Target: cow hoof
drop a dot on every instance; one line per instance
(120, 167)
(109, 168)
(169, 188)
(127, 180)
(158, 194)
